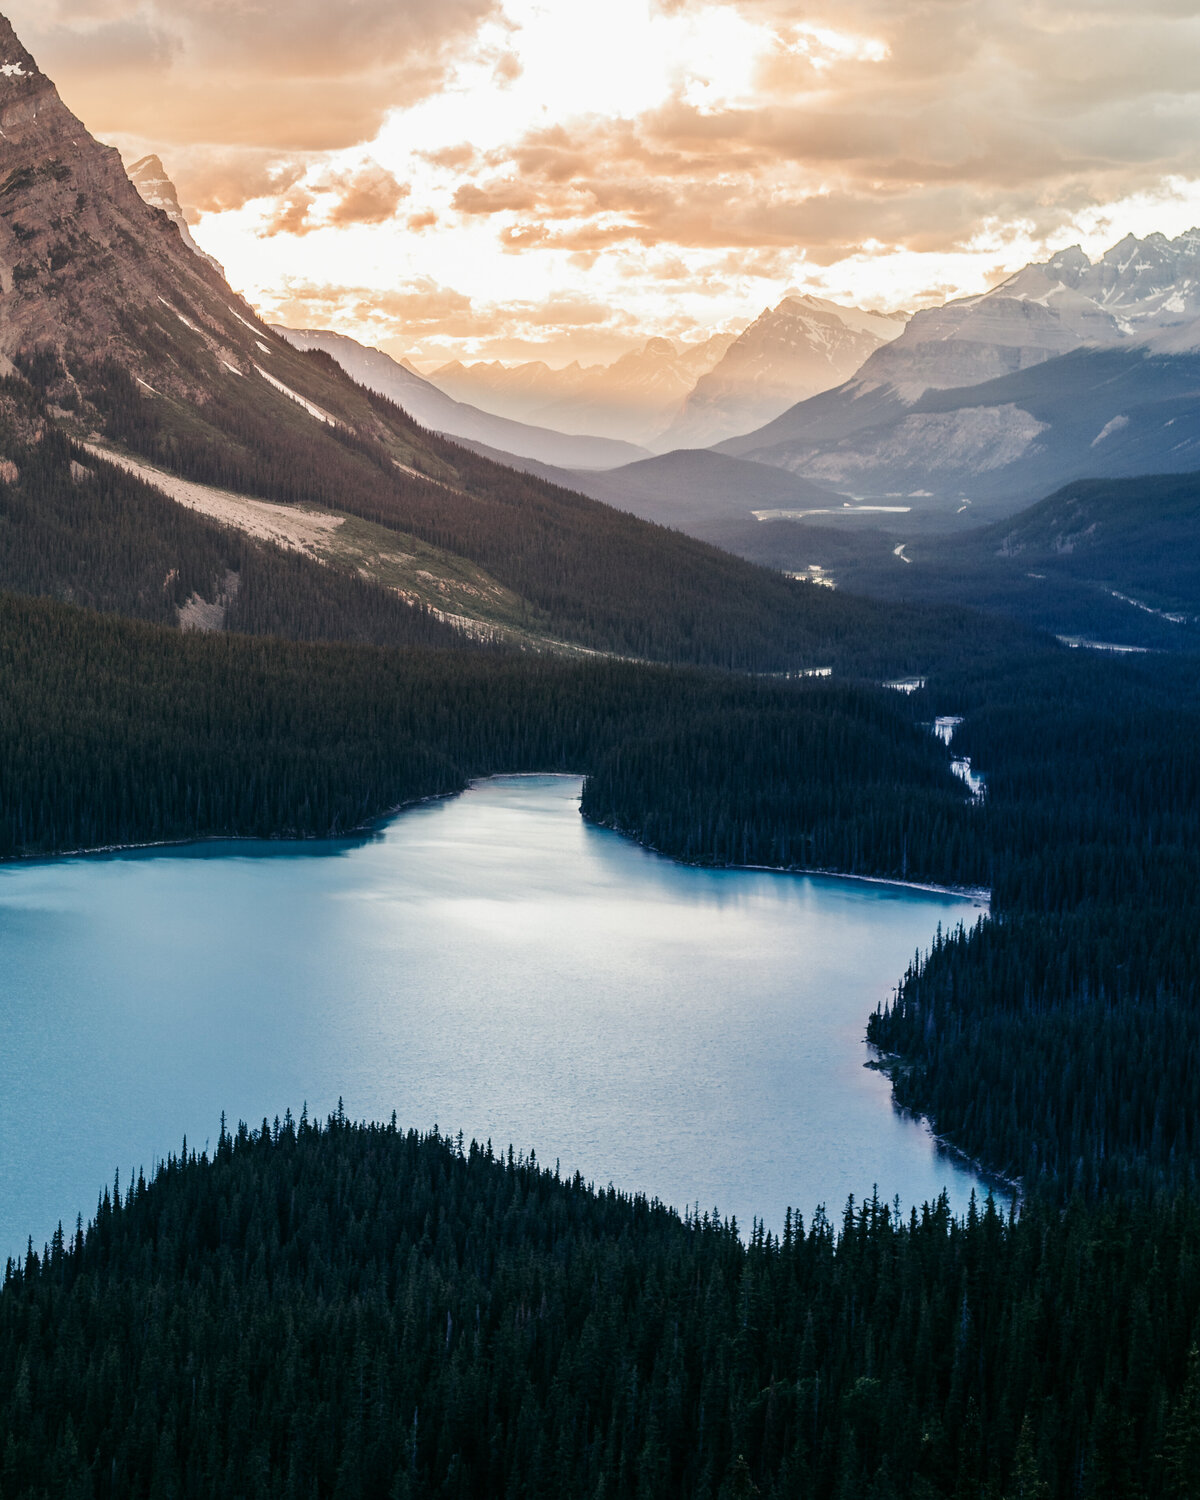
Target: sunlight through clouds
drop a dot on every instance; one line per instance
(635, 167)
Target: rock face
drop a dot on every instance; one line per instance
(441, 413)
(150, 178)
(632, 399)
(1066, 369)
(1044, 310)
(791, 352)
(88, 269)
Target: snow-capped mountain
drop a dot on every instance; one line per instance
(150, 178)
(1042, 311)
(790, 352)
(958, 405)
(426, 404)
(631, 399)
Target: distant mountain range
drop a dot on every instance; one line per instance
(694, 490)
(632, 399)
(434, 409)
(165, 454)
(666, 396)
(1065, 370)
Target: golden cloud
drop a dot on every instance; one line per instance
(894, 123)
(287, 75)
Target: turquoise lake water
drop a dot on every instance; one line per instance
(490, 963)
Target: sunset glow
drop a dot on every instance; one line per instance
(564, 178)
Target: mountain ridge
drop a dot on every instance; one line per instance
(115, 332)
(427, 404)
(796, 349)
(1067, 389)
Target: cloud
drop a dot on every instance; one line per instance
(287, 75)
(370, 196)
(914, 124)
(684, 152)
(413, 309)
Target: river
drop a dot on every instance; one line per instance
(490, 963)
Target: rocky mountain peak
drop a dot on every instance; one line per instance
(796, 349)
(29, 102)
(88, 271)
(150, 178)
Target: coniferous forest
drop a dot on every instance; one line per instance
(347, 1311)
(306, 1294)
(359, 1312)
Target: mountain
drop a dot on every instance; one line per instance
(632, 399)
(164, 453)
(432, 408)
(1065, 370)
(790, 352)
(150, 178)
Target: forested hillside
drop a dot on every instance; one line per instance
(123, 332)
(360, 1312)
(1060, 1041)
(1114, 560)
(123, 733)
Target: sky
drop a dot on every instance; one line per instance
(562, 179)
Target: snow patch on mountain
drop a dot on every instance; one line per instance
(1109, 428)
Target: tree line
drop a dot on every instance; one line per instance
(121, 732)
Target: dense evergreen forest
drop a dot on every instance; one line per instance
(117, 732)
(553, 1341)
(343, 1311)
(93, 535)
(1061, 1040)
(360, 1312)
(548, 1339)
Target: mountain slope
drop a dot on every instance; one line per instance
(790, 352)
(1109, 560)
(1111, 412)
(432, 408)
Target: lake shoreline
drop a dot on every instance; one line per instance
(891, 1063)
(974, 893)
(979, 893)
(425, 968)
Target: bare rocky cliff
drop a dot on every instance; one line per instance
(87, 268)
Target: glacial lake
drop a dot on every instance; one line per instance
(490, 963)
